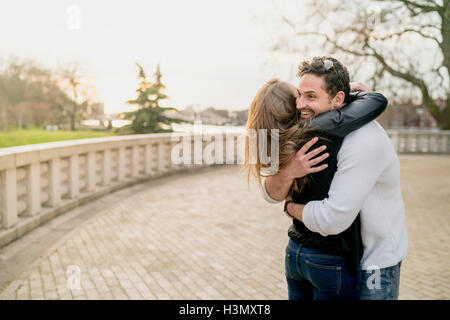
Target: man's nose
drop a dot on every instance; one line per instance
(300, 104)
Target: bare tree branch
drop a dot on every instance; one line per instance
(433, 107)
(408, 30)
(416, 8)
(365, 40)
(334, 43)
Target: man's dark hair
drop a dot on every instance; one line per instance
(336, 77)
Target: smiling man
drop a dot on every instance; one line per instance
(366, 182)
(313, 99)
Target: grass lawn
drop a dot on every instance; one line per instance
(31, 136)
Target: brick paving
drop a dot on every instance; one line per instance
(207, 236)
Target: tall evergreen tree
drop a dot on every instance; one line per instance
(150, 116)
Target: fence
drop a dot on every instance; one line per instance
(420, 141)
(39, 182)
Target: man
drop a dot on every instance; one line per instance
(367, 181)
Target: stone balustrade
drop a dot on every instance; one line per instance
(420, 141)
(41, 181)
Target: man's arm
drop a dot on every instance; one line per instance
(360, 163)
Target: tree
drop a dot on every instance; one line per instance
(46, 101)
(13, 89)
(31, 95)
(388, 40)
(150, 116)
(80, 93)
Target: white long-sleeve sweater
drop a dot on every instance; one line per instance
(367, 180)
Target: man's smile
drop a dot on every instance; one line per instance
(306, 113)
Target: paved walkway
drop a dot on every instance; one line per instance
(204, 235)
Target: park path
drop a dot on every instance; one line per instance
(205, 235)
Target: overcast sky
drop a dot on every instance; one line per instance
(212, 53)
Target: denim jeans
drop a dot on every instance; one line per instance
(381, 284)
(315, 275)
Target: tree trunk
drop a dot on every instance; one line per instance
(72, 123)
(5, 122)
(444, 122)
(73, 116)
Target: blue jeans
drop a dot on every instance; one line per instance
(315, 275)
(381, 284)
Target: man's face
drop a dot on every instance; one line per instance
(312, 99)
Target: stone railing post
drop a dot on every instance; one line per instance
(55, 182)
(106, 179)
(135, 161)
(9, 198)
(148, 159)
(121, 164)
(73, 176)
(161, 156)
(33, 189)
(91, 172)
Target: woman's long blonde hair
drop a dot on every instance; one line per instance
(274, 107)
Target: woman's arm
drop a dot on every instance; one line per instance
(363, 108)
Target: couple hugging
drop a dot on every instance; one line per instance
(339, 178)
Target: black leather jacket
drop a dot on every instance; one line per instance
(334, 126)
(362, 108)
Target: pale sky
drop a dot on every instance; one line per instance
(212, 53)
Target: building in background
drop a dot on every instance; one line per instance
(405, 116)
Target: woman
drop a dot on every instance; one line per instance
(329, 266)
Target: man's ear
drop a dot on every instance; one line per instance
(338, 100)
